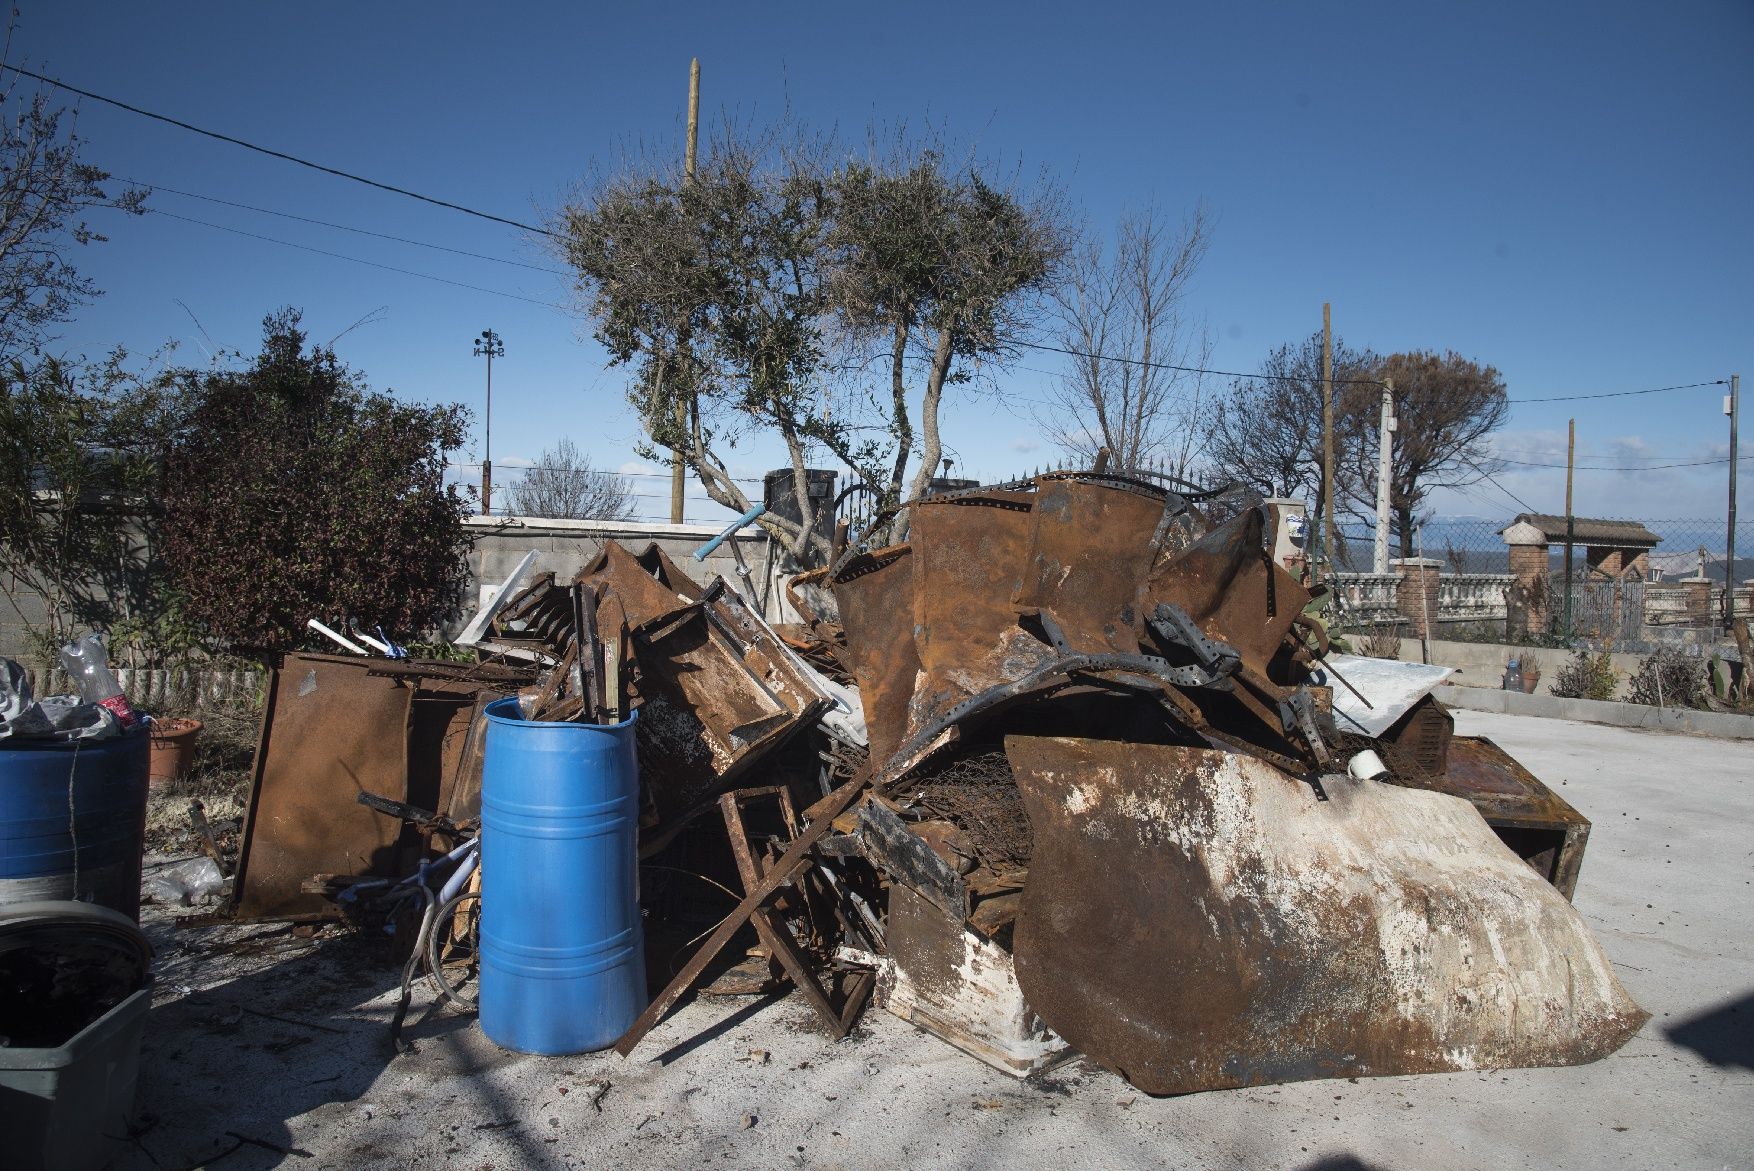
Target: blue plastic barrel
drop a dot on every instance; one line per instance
(562, 955)
(73, 819)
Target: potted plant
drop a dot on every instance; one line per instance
(1531, 664)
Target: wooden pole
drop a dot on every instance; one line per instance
(1732, 408)
(1328, 437)
(676, 467)
(1570, 521)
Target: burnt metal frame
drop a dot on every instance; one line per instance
(774, 934)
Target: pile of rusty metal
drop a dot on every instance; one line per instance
(1113, 791)
(1073, 769)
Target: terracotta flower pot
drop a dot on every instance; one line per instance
(173, 749)
(1531, 680)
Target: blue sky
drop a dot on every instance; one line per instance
(1558, 190)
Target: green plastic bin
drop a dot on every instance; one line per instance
(69, 1108)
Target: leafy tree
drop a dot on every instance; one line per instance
(711, 289)
(941, 264)
(564, 484)
(740, 296)
(1121, 315)
(45, 188)
(1267, 430)
(1445, 408)
(295, 492)
(81, 451)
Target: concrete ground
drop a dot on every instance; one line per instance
(282, 1042)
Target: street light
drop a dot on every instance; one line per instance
(490, 346)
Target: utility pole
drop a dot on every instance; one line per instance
(676, 467)
(1732, 408)
(1570, 521)
(1385, 451)
(490, 346)
(1328, 437)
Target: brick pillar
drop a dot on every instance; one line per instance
(1528, 563)
(1416, 594)
(1699, 608)
(1606, 561)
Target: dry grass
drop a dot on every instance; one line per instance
(1380, 642)
(220, 780)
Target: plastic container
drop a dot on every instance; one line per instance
(73, 820)
(66, 1101)
(89, 667)
(68, 1108)
(562, 953)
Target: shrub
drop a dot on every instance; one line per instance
(1669, 678)
(295, 492)
(1587, 676)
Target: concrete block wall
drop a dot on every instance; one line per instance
(564, 546)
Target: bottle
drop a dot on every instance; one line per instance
(1513, 675)
(86, 663)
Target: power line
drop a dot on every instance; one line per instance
(1552, 451)
(511, 223)
(1572, 398)
(157, 187)
(1189, 369)
(1563, 398)
(340, 174)
(1697, 463)
(558, 468)
(357, 260)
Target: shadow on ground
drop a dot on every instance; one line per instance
(1723, 1036)
(224, 1068)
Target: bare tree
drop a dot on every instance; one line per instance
(1267, 430)
(44, 189)
(563, 484)
(1445, 406)
(1121, 315)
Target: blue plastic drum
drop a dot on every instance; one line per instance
(562, 954)
(73, 819)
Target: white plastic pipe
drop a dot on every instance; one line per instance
(348, 643)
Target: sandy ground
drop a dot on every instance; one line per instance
(283, 1041)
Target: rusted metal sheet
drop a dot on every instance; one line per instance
(874, 593)
(1537, 824)
(720, 691)
(644, 597)
(334, 726)
(667, 573)
(961, 988)
(1198, 920)
(971, 553)
(1417, 745)
(1090, 547)
(1227, 583)
(330, 731)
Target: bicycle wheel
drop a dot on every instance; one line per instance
(452, 947)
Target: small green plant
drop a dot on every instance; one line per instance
(1587, 676)
(1669, 678)
(441, 650)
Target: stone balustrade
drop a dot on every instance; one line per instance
(1367, 599)
(1472, 597)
